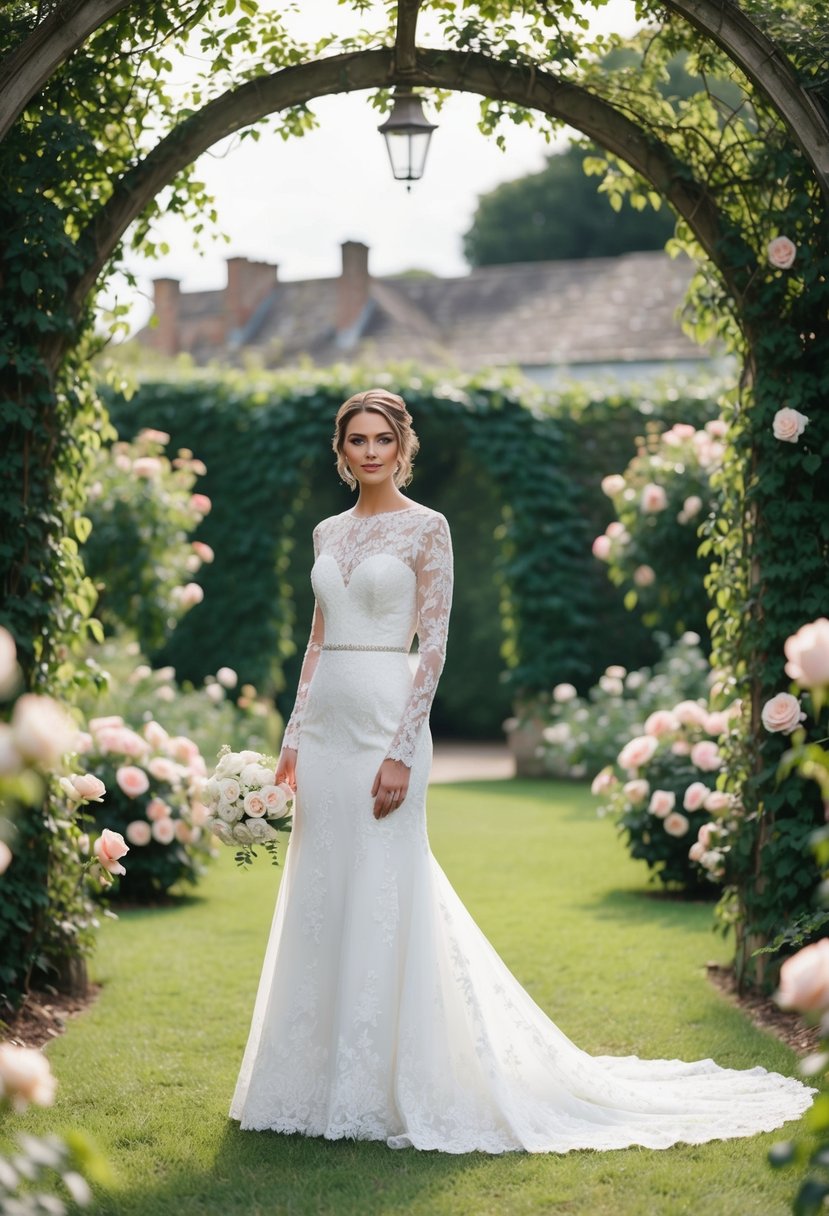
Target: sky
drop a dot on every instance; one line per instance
(294, 202)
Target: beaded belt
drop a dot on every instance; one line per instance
(346, 646)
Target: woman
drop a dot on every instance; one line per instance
(382, 1011)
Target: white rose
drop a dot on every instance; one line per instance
(274, 798)
(562, 693)
(614, 483)
(229, 789)
(229, 812)
(261, 830)
(242, 834)
(8, 663)
(25, 1076)
(220, 830)
(789, 425)
(781, 252)
(808, 654)
(5, 857)
(254, 805)
(227, 677)
(43, 731)
(804, 979)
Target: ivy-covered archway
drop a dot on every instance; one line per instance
(735, 178)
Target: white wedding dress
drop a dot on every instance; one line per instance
(382, 1012)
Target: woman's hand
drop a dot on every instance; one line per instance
(390, 787)
(286, 768)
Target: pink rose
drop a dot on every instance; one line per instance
(696, 851)
(705, 834)
(644, 576)
(199, 814)
(717, 428)
(147, 466)
(662, 803)
(676, 824)
(653, 498)
(138, 832)
(149, 435)
(157, 808)
(184, 833)
(636, 791)
(616, 530)
(804, 979)
(122, 740)
(96, 724)
(203, 551)
(6, 856)
(562, 693)
(25, 1076)
(637, 752)
(190, 594)
(706, 755)
(788, 425)
(200, 503)
(603, 781)
(782, 714)
(692, 506)
(601, 548)
(164, 770)
(164, 830)
(808, 654)
(660, 722)
(717, 801)
(183, 748)
(781, 252)
(690, 713)
(254, 804)
(695, 796)
(715, 723)
(89, 787)
(108, 848)
(681, 747)
(155, 734)
(614, 483)
(132, 780)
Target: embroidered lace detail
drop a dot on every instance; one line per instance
(420, 539)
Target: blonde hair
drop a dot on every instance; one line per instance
(393, 409)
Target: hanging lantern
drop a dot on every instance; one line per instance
(407, 133)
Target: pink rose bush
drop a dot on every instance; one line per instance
(788, 425)
(154, 786)
(661, 500)
(144, 504)
(244, 806)
(662, 793)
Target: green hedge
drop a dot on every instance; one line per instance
(516, 472)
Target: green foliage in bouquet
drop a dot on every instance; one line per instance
(142, 508)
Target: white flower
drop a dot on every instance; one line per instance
(563, 693)
(781, 252)
(261, 830)
(43, 731)
(614, 483)
(788, 425)
(242, 834)
(8, 663)
(653, 498)
(25, 1076)
(254, 804)
(808, 654)
(558, 733)
(229, 812)
(230, 789)
(5, 857)
(227, 677)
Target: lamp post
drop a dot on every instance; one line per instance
(407, 133)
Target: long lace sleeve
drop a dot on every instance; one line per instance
(433, 567)
(309, 666)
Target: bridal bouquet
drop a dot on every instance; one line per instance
(245, 807)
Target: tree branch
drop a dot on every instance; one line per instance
(27, 68)
(405, 50)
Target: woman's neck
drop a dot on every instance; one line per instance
(373, 500)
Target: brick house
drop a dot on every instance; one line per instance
(586, 318)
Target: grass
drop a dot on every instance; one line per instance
(150, 1068)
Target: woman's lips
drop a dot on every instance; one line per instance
(372, 468)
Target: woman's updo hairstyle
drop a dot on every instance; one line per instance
(393, 409)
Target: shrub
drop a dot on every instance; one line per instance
(660, 501)
(663, 788)
(583, 734)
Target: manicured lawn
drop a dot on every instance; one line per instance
(149, 1070)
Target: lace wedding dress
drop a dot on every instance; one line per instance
(382, 1012)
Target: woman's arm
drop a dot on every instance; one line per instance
(433, 568)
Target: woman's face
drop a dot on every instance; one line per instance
(370, 448)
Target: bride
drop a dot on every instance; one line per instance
(382, 1011)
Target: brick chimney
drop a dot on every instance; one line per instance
(248, 283)
(166, 337)
(352, 287)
